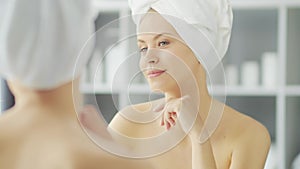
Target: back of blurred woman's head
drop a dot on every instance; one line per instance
(43, 43)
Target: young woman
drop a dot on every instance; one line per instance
(40, 41)
(171, 65)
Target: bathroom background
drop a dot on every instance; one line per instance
(261, 68)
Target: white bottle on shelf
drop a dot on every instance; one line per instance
(269, 69)
(232, 76)
(250, 74)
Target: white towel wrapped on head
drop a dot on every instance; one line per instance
(211, 18)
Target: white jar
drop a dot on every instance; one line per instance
(250, 74)
(269, 68)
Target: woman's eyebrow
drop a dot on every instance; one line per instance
(154, 38)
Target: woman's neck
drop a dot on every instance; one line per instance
(58, 101)
(196, 90)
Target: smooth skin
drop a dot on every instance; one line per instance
(42, 131)
(239, 142)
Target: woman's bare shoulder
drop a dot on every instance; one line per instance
(120, 119)
(246, 129)
(244, 123)
(249, 140)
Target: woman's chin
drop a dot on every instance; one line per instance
(162, 87)
(157, 88)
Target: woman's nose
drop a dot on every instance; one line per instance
(152, 56)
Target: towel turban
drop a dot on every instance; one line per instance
(204, 25)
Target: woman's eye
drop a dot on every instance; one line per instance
(163, 43)
(142, 50)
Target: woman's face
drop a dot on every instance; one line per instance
(166, 60)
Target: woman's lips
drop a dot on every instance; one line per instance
(155, 73)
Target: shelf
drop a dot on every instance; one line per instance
(95, 89)
(238, 4)
(106, 5)
(144, 89)
(292, 90)
(109, 5)
(292, 3)
(106, 89)
(123, 4)
(139, 89)
(245, 91)
(264, 4)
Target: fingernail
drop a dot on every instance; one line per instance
(174, 113)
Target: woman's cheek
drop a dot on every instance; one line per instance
(142, 64)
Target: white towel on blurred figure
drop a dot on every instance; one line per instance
(40, 40)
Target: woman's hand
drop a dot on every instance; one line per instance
(183, 112)
(170, 112)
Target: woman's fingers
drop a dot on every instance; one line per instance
(168, 126)
(170, 120)
(174, 114)
(170, 110)
(172, 117)
(162, 120)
